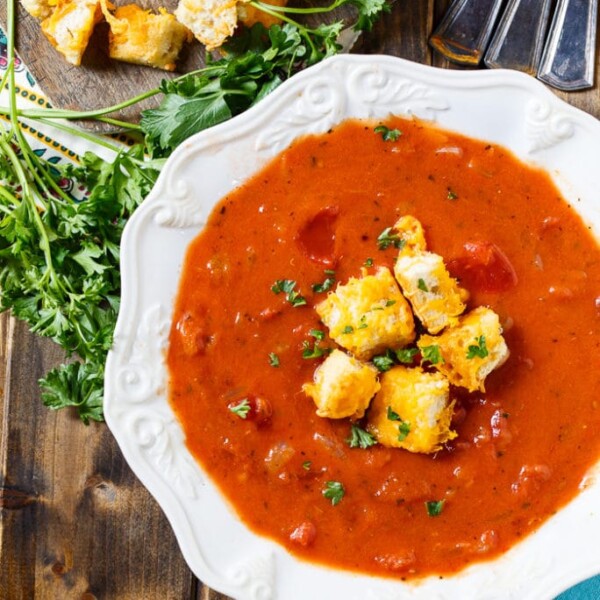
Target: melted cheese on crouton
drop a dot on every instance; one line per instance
(343, 386)
(368, 315)
(411, 410)
(248, 15)
(40, 9)
(435, 296)
(143, 38)
(211, 21)
(471, 350)
(70, 27)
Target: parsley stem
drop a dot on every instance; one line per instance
(295, 10)
(82, 134)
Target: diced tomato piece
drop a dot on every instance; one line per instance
(484, 267)
(316, 238)
(304, 534)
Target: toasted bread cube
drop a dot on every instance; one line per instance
(368, 315)
(343, 386)
(70, 27)
(411, 233)
(140, 37)
(471, 350)
(248, 15)
(211, 21)
(411, 410)
(40, 9)
(435, 296)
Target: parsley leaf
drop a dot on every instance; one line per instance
(315, 352)
(384, 362)
(434, 507)
(368, 262)
(431, 354)
(325, 286)
(422, 285)
(403, 431)
(306, 465)
(452, 195)
(334, 491)
(480, 350)
(368, 12)
(348, 329)
(388, 238)
(288, 287)
(317, 334)
(388, 135)
(273, 359)
(406, 355)
(359, 438)
(392, 415)
(241, 409)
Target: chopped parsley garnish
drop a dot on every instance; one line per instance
(422, 285)
(388, 135)
(325, 285)
(334, 491)
(452, 195)
(315, 352)
(368, 262)
(363, 322)
(434, 507)
(359, 438)
(384, 362)
(273, 359)
(389, 303)
(392, 415)
(287, 286)
(317, 334)
(306, 465)
(406, 355)
(241, 409)
(403, 431)
(431, 354)
(348, 329)
(388, 238)
(480, 350)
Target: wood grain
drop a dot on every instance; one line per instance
(74, 521)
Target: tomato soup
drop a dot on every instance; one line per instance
(238, 350)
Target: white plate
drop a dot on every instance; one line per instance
(499, 106)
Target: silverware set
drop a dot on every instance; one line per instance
(555, 41)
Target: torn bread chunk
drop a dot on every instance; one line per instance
(435, 296)
(249, 15)
(211, 21)
(411, 410)
(343, 386)
(469, 351)
(368, 314)
(40, 9)
(140, 37)
(70, 27)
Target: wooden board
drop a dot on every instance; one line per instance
(99, 82)
(74, 521)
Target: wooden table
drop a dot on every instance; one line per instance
(74, 521)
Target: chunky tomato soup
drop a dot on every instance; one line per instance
(240, 352)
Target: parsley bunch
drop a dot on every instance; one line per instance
(59, 254)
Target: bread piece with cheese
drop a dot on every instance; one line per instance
(140, 37)
(211, 21)
(435, 296)
(368, 314)
(40, 9)
(248, 15)
(70, 27)
(470, 350)
(343, 386)
(411, 410)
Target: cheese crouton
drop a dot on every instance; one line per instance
(248, 15)
(140, 37)
(40, 9)
(368, 315)
(471, 350)
(70, 27)
(436, 298)
(411, 410)
(343, 386)
(211, 21)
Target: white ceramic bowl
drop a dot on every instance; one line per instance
(502, 107)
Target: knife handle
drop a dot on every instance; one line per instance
(519, 38)
(569, 55)
(465, 30)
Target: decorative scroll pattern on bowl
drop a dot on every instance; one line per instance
(546, 126)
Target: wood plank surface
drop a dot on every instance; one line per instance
(74, 521)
